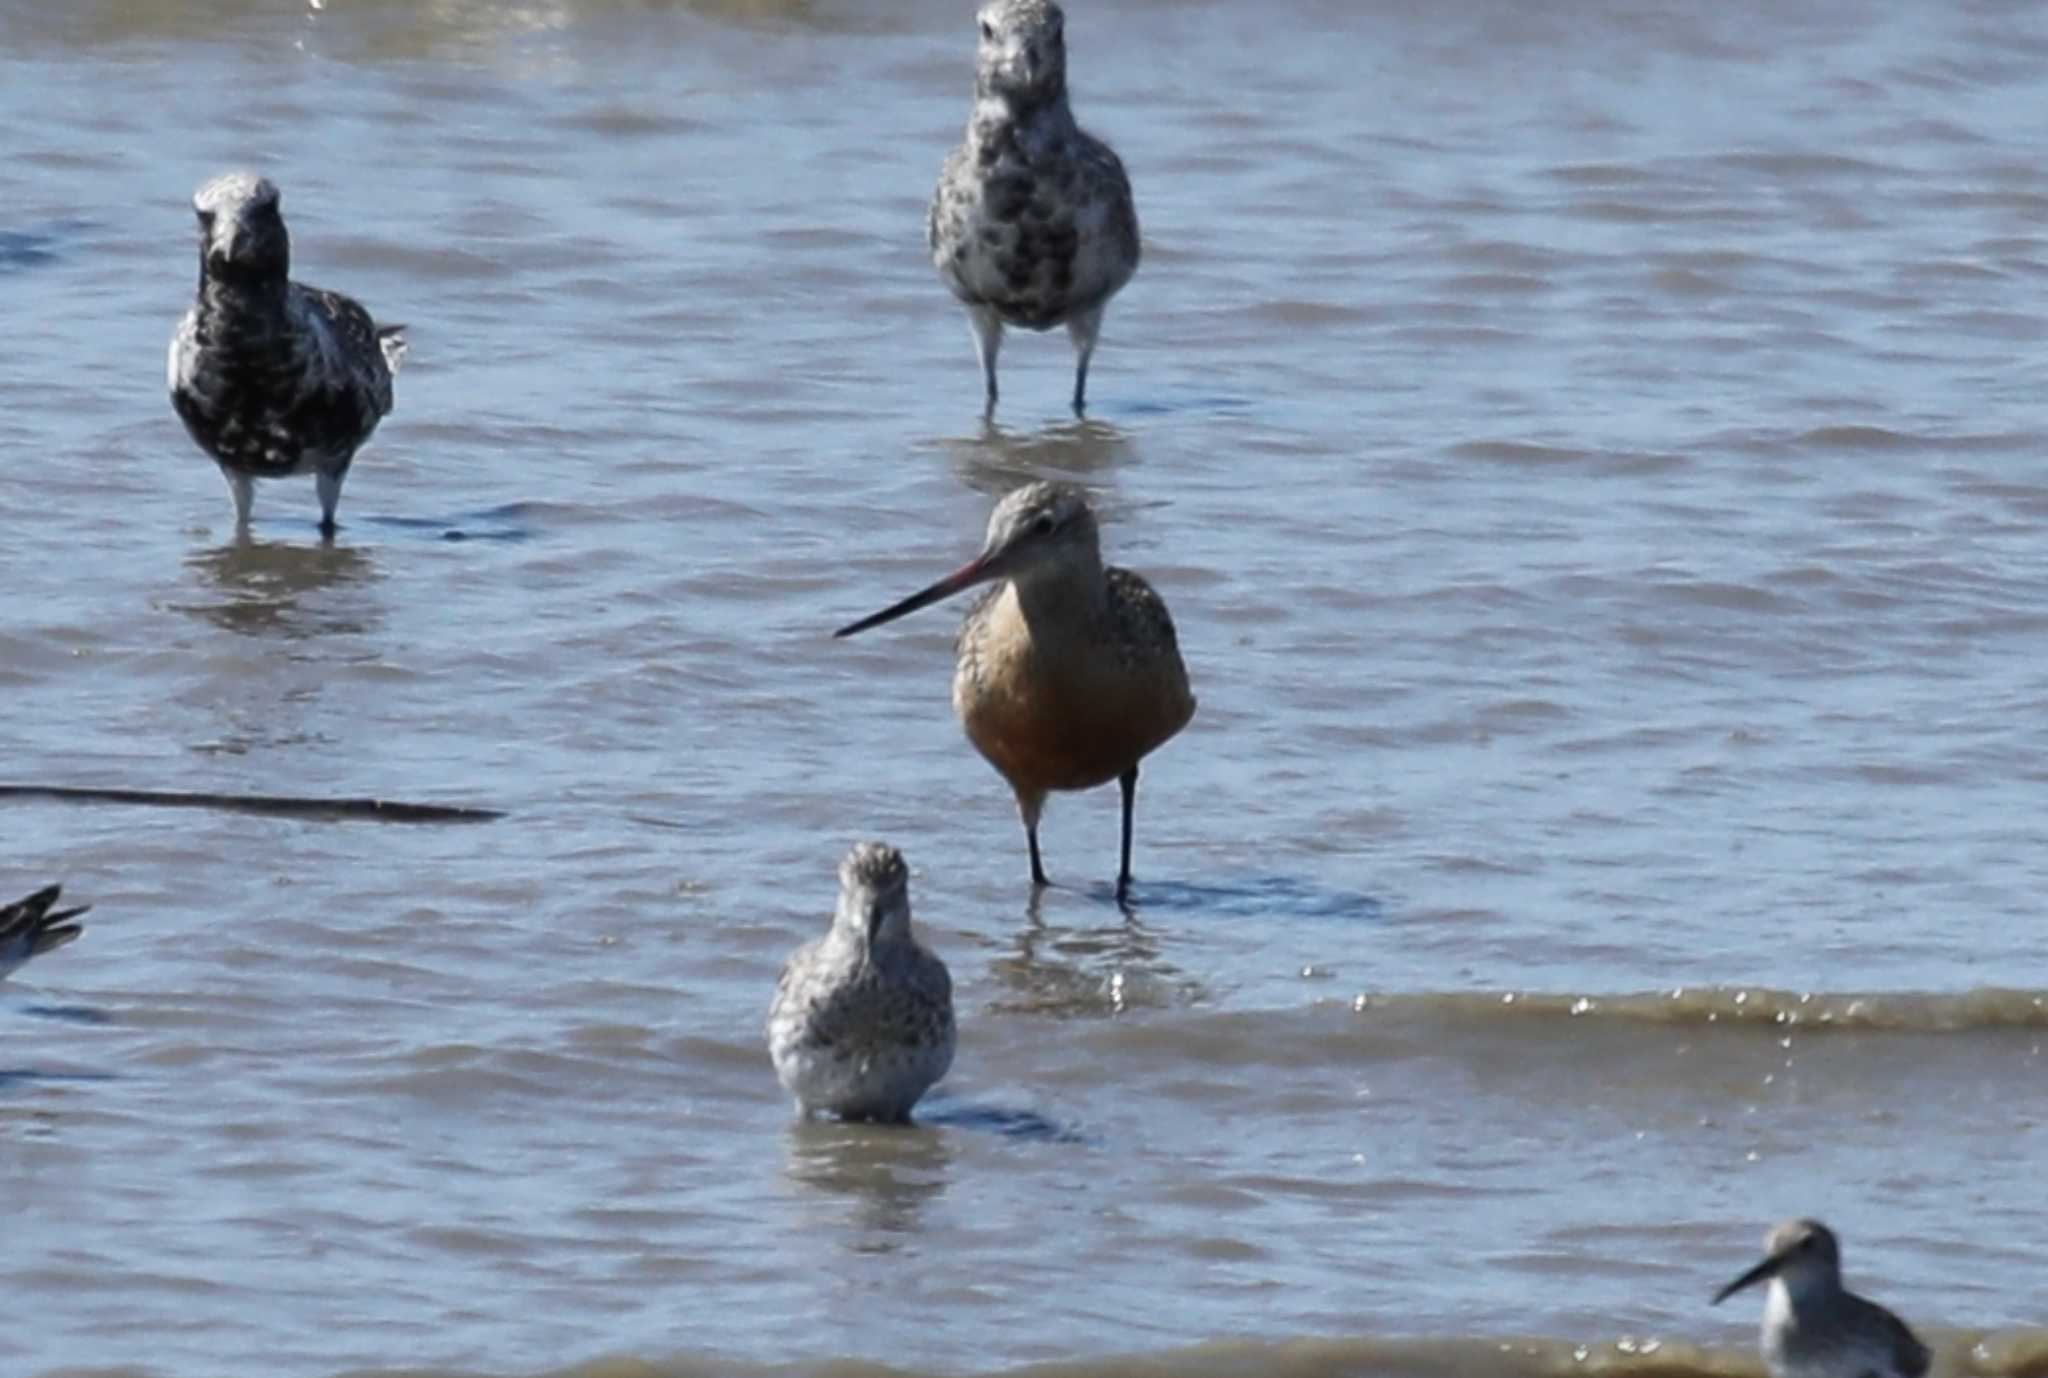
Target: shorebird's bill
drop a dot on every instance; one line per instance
(1767, 1268)
(966, 576)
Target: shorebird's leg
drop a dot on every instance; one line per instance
(1128, 783)
(988, 340)
(1029, 807)
(1082, 330)
(328, 486)
(242, 489)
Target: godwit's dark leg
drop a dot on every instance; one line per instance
(1128, 783)
(1029, 809)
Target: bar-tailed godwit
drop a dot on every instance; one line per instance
(1069, 670)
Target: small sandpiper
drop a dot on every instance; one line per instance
(1032, 224)
(31, 927)
(1813, 1326)
(862, 1021)
(273, 378)
(1069, 672)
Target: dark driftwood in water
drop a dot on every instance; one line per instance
(275, 805)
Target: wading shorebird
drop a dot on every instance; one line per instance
(28, 928)
(1032, 224)
(1813, 1326)
(1069, 671)
(862, 1020)
(273, 378)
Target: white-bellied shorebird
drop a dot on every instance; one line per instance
(31, 927)
(1813, 1326)
(1032, 223)
(1069, 670)
(273, 378)
(862, 1020)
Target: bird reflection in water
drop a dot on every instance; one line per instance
(994, 460)
(1087, 972)
(887, 1173)
(259, 588)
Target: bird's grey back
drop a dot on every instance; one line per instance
(1873, 1340)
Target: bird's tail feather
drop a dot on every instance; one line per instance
(58, 934)
(44, 929)
(391, 340)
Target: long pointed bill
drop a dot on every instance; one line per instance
(1755, 1275)
(966, 576)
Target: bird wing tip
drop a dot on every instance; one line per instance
(391, 342)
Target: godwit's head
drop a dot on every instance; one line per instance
(1040, 530)
(874, 894)
(241, 233)
(1023, 54)
(1802, 1255)
(1038, 527)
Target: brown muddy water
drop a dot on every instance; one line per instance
(1594, 453)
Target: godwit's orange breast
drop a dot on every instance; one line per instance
(1070, 703)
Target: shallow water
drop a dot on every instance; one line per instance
(1592, 455)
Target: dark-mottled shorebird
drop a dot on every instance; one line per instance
(1069, 670)
(1032, 224)
(862, 1020)
(1813, 1326)
(271, 377)
(31, 927)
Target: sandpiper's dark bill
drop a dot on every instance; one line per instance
(1765, 1269)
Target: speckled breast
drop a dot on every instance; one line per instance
(1037, 239)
